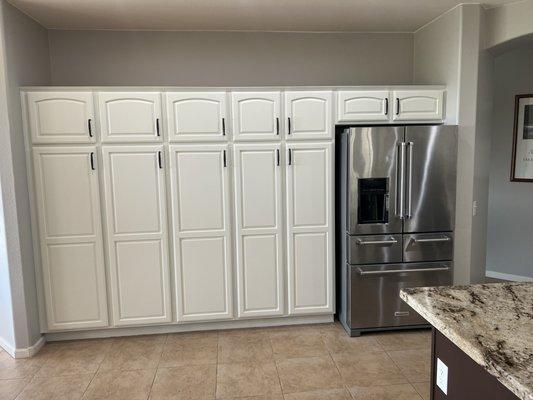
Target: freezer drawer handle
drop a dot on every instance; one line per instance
(401, 313)
(397, 271)
(432, 240)
(362, 242)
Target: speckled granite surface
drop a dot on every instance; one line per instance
(492, 323)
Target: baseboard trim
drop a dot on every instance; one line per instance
(508, 277)
(24, 352)
(188, 327)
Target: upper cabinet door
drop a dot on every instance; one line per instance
(68, 210)
(418, 105)
(196, 116)
(362, 105)
(135, 198)
(130, 116)
(308, 115)
(256, 115)
(61, 117)
(201, 231)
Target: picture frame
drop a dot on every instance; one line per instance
(522, 157)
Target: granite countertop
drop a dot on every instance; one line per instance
(491, 323)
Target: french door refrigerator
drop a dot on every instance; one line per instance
(397, 189)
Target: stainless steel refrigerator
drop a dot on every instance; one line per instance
(395, 224)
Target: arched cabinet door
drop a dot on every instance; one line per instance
(256, 115)
(418, 105)
(196, 116)
(363, 105)
(61, 117)
(308, 115)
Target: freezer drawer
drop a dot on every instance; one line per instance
(374, 249)
(375, 289)
(428, 247)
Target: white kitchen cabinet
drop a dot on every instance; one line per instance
(70, 236)
(308, 115)
(259, 230)
(256, 115)
(362, 105)
(137, 239)
(196, 116)
(310, 227)
(201, 231)
(61, 117)
(130, 116)
(418, 105)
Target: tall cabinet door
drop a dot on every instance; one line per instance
(256, 115)
(61, 117)
(137, 234)
(258, 204)
(196, 116)
(201, 231)
(130, 116)
(308, 115)
(68, 209)
(310, 227)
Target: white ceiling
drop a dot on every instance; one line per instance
(247, 15)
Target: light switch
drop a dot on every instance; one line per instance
(442, 376)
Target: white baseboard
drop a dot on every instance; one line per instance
(508, 277)
(24, 352)
(188, 327)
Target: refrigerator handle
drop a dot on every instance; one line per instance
(400, 181)
(410, 146)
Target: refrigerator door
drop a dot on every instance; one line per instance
(430, 176)
(373, 200)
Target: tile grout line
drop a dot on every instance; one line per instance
(344, 385)
(275, 365)
(157, 367)
(216, 366)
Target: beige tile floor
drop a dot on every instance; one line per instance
(312, 362)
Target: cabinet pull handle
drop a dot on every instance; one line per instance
(290, 157)
(224, 158)
(277, 157)
(289, 120)
(92, 161)
(89, 126)
(223, 126)
(397, 106)
(277, 126)
(157, 126)
(159, 160)
(386, 106)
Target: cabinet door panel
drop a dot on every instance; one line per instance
(201, 232)
(363, 105)
(259, 229)
(61, 117)
(256, 115)
(310, 228)
(70, 237)
(418, 105)
(137, 234)
(196, 116)
(130, 116)
(308, 115)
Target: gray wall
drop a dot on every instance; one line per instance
(25, 60)
(510, 237)
(229, 58)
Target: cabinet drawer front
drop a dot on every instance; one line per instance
(428, 247)
(363, 105)
(374, 249)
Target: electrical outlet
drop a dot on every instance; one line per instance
(474, 208)
(442, 376)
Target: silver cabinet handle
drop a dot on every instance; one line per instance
(362, 242)
(410, 146)
(431, 240)
(400, 184)
(397, 271)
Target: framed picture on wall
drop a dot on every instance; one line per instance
(522, 160)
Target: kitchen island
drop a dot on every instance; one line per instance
(482, 339)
